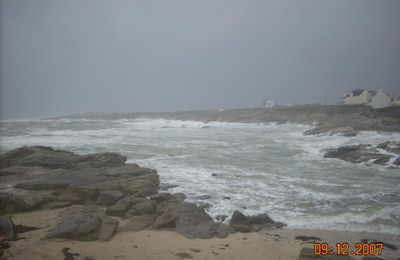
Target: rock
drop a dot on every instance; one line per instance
(50, 158)
(214, 174)
(160, 197)
(240, 222)
(41, 185)
(390, 146)
(179, 196)
(226, 198)
(194, 222)
(118, 209)
(357, 154)
(108, 228)
(7, 228)
(84, 223)
(106, 159)
(166, 220)
(10, 203)
(344, 131)
(140, 188)
(42, 156)
(138, 223)
(109, 197)
(260, 219)
(397, 161)
(141, 207)
(224, 230)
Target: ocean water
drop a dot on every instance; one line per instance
(261, 167)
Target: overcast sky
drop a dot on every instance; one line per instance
(61, 57)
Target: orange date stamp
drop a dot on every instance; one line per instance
(343, 248)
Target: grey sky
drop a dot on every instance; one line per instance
(60, 57)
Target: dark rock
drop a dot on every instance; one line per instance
(390, 146)
(139, 206)
(160, 197)
(7, 228)
(226, 198)
(240, 222)
(118, 209)
(357, 154)
(194, 222)
(10, 203)
(138, 223)
(166, 220)
(397, 161)
(260, 219)
(307, 238)
(279, 224)
(224, 230)
(109, 197)
(84, 223)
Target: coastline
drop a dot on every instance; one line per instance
(151, 244)
(164, 244)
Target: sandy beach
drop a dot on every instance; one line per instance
(165, 244)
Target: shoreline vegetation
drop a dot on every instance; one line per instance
(55, 204)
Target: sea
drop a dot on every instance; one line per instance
(252, 167)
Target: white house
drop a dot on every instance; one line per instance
(380, 99)
(269, 103)
(396, 101)
(358, 97)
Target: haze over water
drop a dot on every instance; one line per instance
(260, 167)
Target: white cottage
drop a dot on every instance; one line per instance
(358, 97)
(396, 102)
(269, 103)
(380, 99)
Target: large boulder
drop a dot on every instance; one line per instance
(84, 223)
(194, 222)
(10, 203)
(138, 223)
(357, 154)
(240, 222)
(50, 158)
(141, 206)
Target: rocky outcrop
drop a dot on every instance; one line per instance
(366, 153)
(40, 177)
(244, 224)
(84, 223)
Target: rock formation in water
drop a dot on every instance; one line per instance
(96, 191)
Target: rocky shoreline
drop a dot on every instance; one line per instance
(97, 197)
(331, 119)
(387, 153)
(97, 190)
